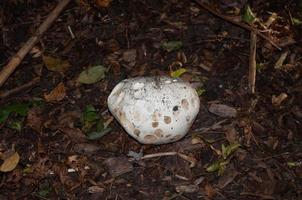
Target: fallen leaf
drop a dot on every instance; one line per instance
(86, 148)
(98, 134)
(178, 72)
(223, 110)
(118, 166)
(103, 3)
(231, 135)
(129, 55)
(34, 119)
(209, 190)
(95, 189)
(92, 75)
(228, 150)
(171, 45)
(73, 134)
(277, 100)
(248, 15)
(16, 125)
(55, 64)
(36, 52)
(229, 175)
(10, 163)
(187, 188)
(18, 108)
(57, 94)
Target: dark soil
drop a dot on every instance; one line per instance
(58, 162)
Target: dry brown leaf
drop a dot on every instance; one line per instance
(103, 3)
(209, 190)
(10, 163)
(231, 135)
(95, 189)
(57, 94)
(118, 166)
(187, 188)
(222, 110)
(74, 134)
(277, 100)
(55, 64)
(229, 175)
(34, 119)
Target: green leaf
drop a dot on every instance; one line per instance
(296, 21)
(248, 15)
(44, 191)
(98, 134)
(92, 75)
(19, 108)
(213, 167)
(226, 151)
(171, 45)
(200, 91)
(294, 164)
(17, 125)
(100, 125)
(219, 166)
(178, 73)
(3, 115)
(223, 165)
(90, 114)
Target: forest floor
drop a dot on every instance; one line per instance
(52, 128)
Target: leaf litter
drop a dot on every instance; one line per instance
(253, 154)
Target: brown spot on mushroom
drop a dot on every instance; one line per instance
(155, 115)
(154, 124)
(168, 135)
(136, 116)
(167, 119)
(158, 133)
(188, 118)
(150, 138)
(137, 132)
(185, 104)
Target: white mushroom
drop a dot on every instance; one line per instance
(154, 110)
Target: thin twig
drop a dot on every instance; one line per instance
(8, 69)
(252, 63)
(20, 88)
(154, 155)
(230, 20)
(189, 159)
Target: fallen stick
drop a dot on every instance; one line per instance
(230, 20)
(8, 69)
(252, 63)
(20, 88)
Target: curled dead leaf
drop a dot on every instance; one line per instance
(57, 94)
(103, 3)
(277, 100)
(10, 163)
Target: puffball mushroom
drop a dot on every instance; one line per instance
(154, 110)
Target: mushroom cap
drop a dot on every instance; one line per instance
(154, 110)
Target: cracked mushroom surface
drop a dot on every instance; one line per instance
(154, 110)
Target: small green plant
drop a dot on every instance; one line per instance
(221, 164)
(94, 123)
